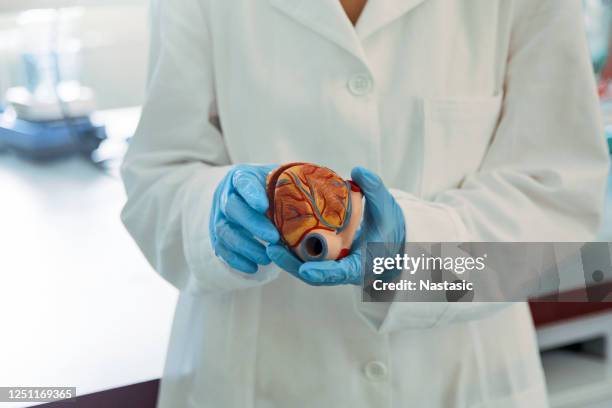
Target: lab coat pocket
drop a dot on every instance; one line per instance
(457, 133)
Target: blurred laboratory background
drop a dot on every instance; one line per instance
(79, 304)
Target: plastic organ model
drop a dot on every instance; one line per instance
(317, 213)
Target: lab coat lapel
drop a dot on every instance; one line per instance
(326, 18)
(378, 13)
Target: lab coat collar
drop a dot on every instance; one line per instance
(328, 19)
(325, 17)
(379, 13)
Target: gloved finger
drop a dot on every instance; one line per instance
(345, 271)
(234, 259)
(238, 240)
(284, 258)
(252, 189)
(239, 212)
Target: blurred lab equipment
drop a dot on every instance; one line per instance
(597, 16)
(49, 116)
(598, 23)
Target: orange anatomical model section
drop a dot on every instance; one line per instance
(316, 212)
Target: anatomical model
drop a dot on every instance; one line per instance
(316, 212)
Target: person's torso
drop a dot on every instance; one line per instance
(414, 95)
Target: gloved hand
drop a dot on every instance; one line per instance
(383, 221)
(237, 218)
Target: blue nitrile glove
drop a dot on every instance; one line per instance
(383, 221)
(237, 218)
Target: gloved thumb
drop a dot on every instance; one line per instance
(370, 183)
(376, 194)
(251, 187)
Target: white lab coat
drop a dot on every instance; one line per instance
(482, 117)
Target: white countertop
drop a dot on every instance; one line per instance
(577, 380)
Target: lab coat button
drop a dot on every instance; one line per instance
(360, 84)
(375, 370)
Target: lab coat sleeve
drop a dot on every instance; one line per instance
(178, 156)
(543, 177)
